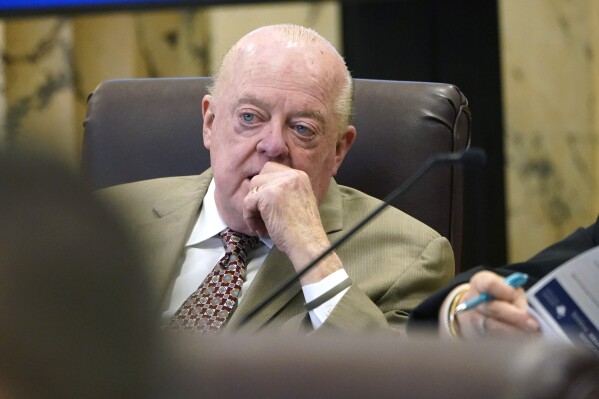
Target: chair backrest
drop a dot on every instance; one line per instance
(140, 129)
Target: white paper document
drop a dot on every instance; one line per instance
(566, 301)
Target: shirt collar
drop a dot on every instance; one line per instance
(210, 223)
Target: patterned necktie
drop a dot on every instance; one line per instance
(209, 307)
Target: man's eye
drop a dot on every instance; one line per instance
(303, 130)
(247, 117)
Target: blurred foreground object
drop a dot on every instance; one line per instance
(72, 293)
(322, 366)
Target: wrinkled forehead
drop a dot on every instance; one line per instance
(285, 59)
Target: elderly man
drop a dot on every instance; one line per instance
(277, 124)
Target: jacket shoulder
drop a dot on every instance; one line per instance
(358, 204)
(135, 201)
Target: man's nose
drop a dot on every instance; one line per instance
(273, 143)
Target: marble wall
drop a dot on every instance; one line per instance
(39, 85)
(2, 87)
(550, 70)
(51, 64)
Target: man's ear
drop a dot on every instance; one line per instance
(343, 146)
(208, 116)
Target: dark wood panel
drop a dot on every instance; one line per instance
(452, 42)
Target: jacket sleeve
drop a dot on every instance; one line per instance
(397, 296)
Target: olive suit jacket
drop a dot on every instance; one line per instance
(394, 262)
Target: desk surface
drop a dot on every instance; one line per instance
(376, 366)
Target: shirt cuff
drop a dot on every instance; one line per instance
(319, 314)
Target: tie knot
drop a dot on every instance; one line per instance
(238, 243)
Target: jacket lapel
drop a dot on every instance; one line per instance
(276, 270)
(176, 213)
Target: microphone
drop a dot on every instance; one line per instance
(469, 157)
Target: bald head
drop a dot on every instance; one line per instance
(277, 48)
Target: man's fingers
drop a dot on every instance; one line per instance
(507, 316)
(500, 328)
(251, 214)
(493, 284)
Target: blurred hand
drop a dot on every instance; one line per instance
(505, 315)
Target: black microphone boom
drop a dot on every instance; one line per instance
(468, 157)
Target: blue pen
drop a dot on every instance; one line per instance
(514, 280)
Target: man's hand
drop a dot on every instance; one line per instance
(282, 205)
(506, 314)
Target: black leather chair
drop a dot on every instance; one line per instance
(146, 128)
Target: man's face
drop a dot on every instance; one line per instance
(276, 106)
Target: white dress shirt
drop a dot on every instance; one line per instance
(204, 249)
